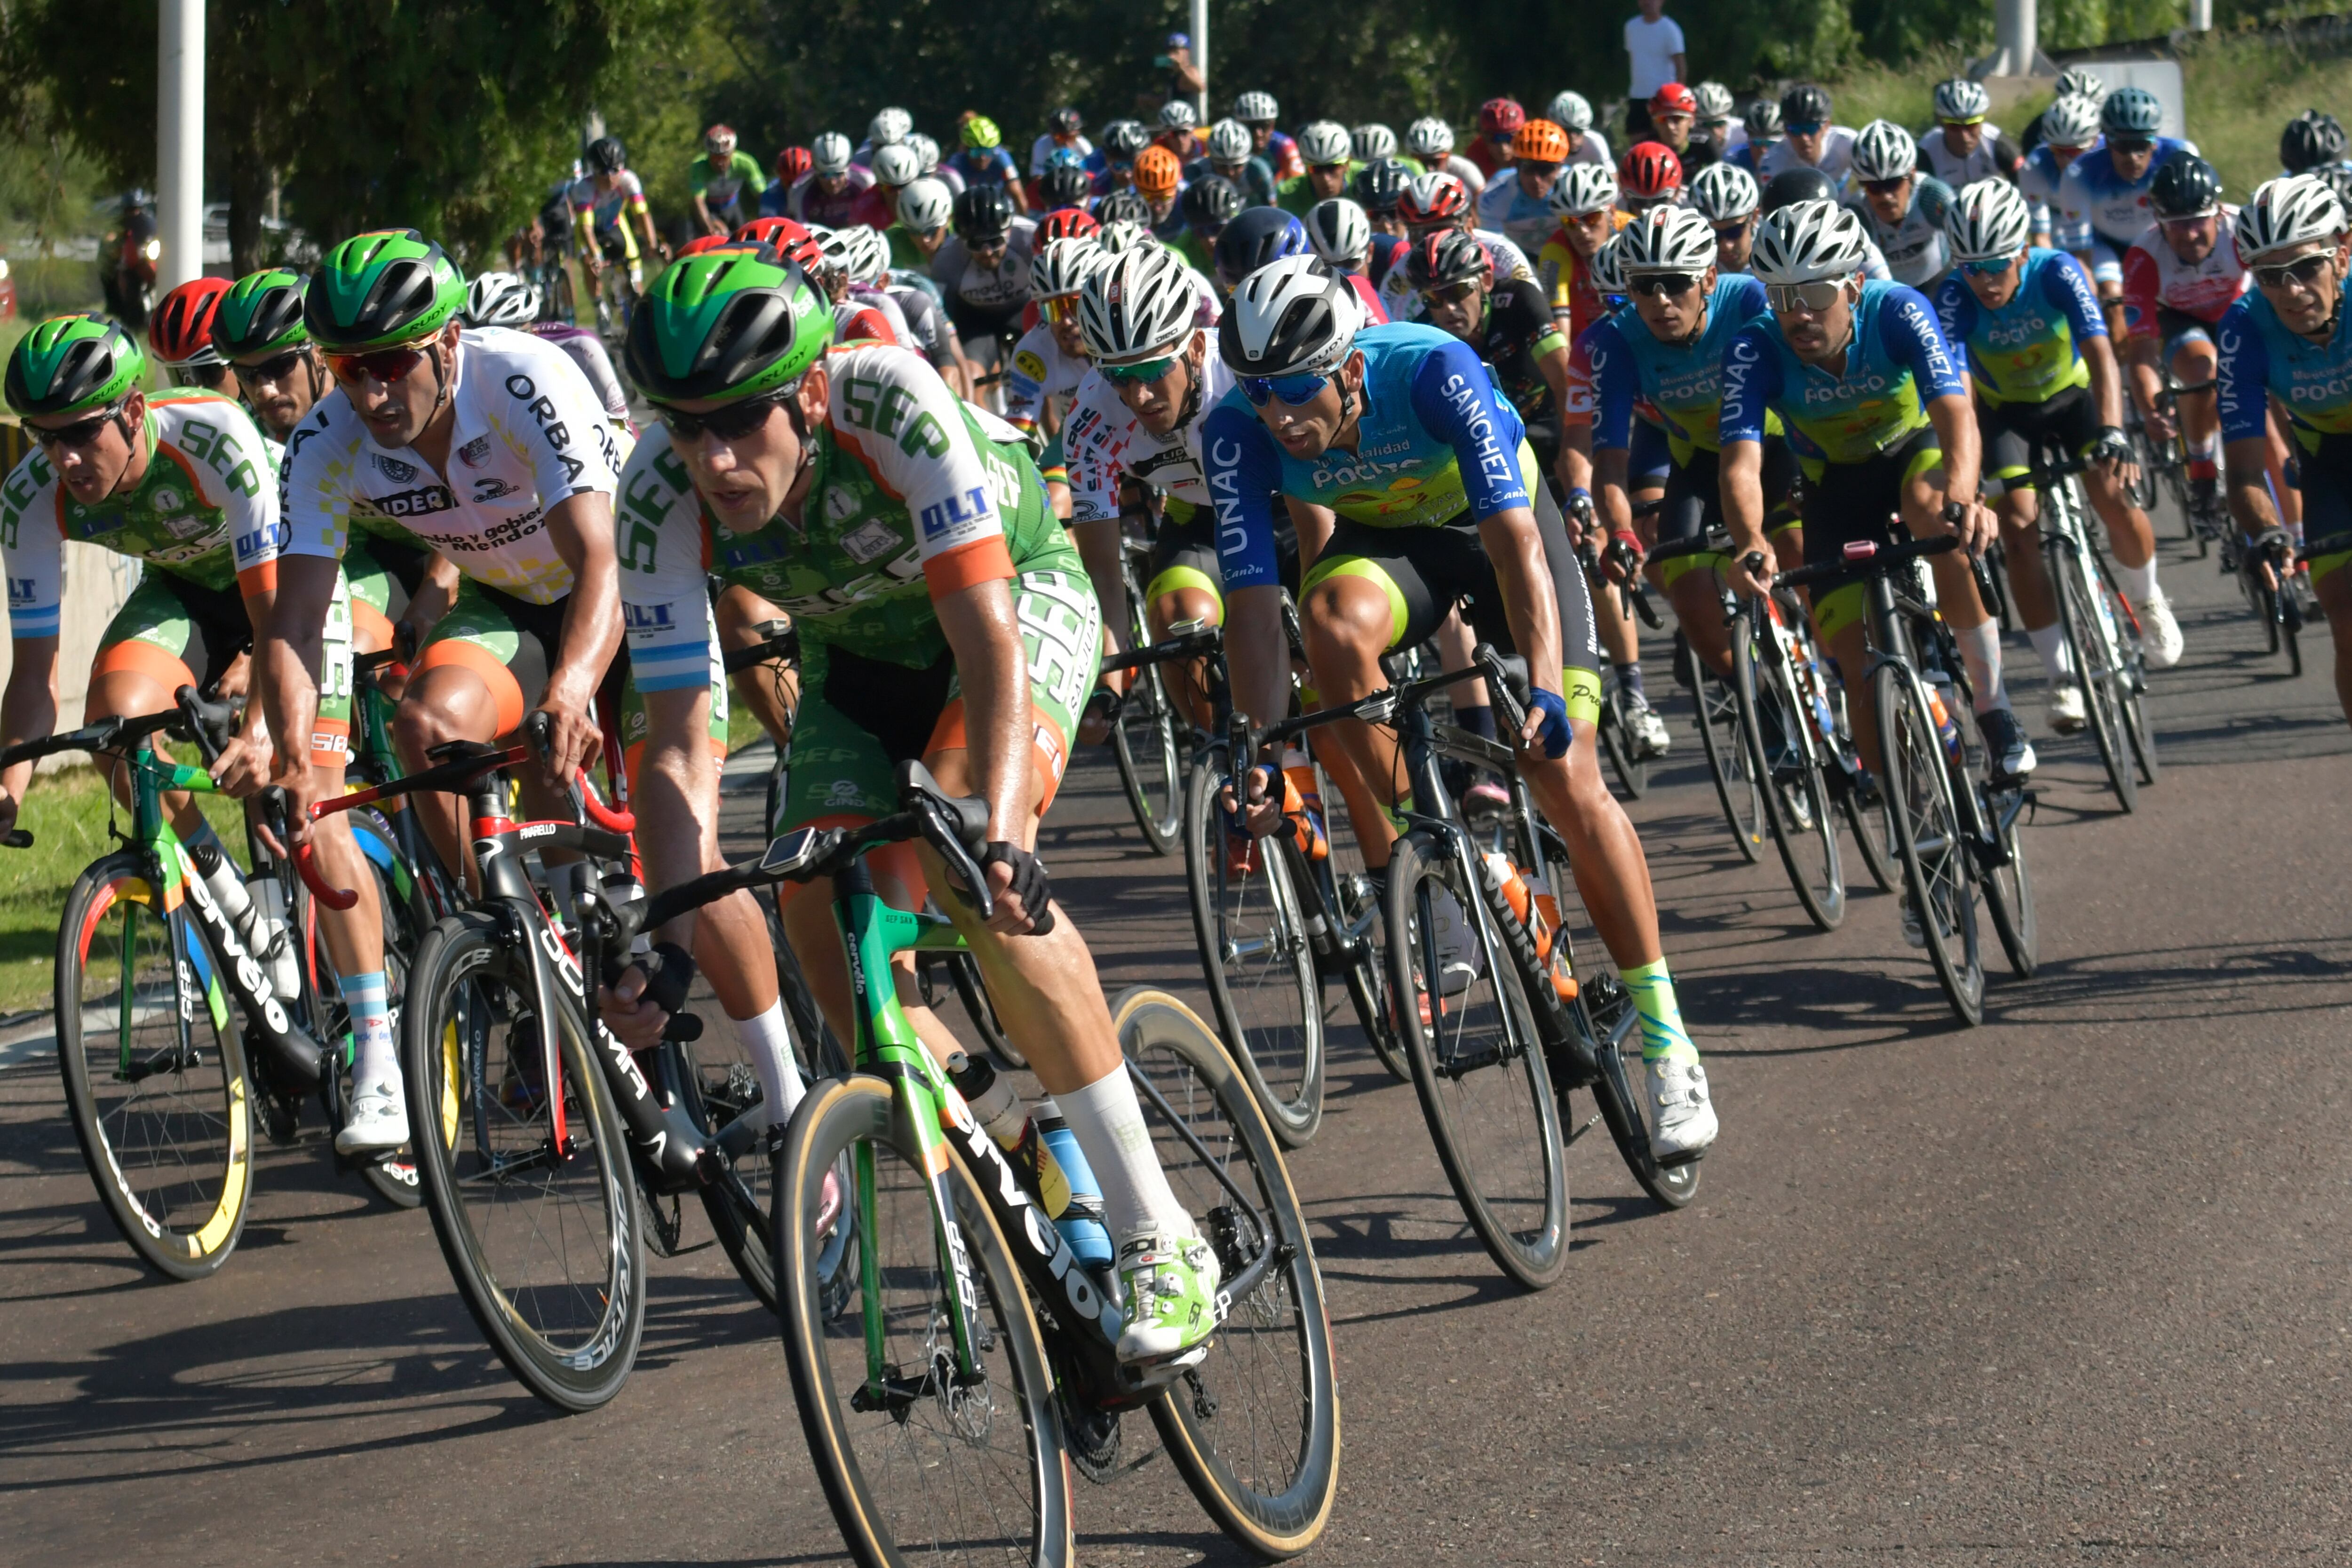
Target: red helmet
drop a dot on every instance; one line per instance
(781, 232)
(1501, 117)
(794, 163)
(1433, 198)
(1673, 98)
(1650, 172)
(181, 330)
(708, 242)
(1065, 223)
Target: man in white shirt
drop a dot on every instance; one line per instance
(1655, 45)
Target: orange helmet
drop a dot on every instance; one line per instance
(1539, 141)
(181, 330)
(1156, 172)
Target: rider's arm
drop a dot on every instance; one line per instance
(2242, 381)
(1751, 382)
(1242, 468)
(2142, 297)
(1908, 327)
(28, 713)
(993, 673)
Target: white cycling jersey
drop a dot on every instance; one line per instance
(2154, 274)
(1984, 163)
(2037, 182)
(860, 299)
(1040, 372)
(1837, 157)
(1103, 442)
(1397, 296)
(529, 433)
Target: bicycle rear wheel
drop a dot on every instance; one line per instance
(1255, 1428)
(1939, 873)
(1727, 762)
(1253, 938)
(1632, 769)
(1143, 742)
(2102, 676)
(1796, 803)
(164, 1122)
(2009, 887)
(917, 1465)
(1476, 1064)
(2131, 681)
(544, 1240)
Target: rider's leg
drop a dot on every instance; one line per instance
(2018, 509)
(1101, 545)
(2193, 361)
(1348, 623)
(2333, 586)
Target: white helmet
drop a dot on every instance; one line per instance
(925, 148)
(889, 126)
(1608, 274)
(2071, 121)
(927, 205)
(1324, 142)
(1715, 106)
(1990, 218)
(1960, 98)
(1289, 318)
(1808, 242)
(830, 254)
(1666, 239)
(1064, 267)
(1582, 188)
(2293, 210)
(501, 299)
(1884, 150)
(1338, 231)
(1177, 114)
(1571, 111)
(1126, 235)
(869, 254)
(829, 153)
(1137, 305)
(1429, 137)
(1255, 107)
(2077, 82)
(1722, 191)
(1371, 142)
(897, 164)
(1229, 143)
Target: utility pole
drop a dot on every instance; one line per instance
(2015, 26)
(179, 143)
(1200, 56)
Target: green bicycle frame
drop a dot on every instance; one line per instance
(174, 874)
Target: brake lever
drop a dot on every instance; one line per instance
(1513, 714)
(274, 804)
(942, 837)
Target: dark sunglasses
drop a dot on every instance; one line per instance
(1294, 389)
(1802, 127)
(386, 365)
(1327, 168)
(276, 367)
(1733, 230)
(1886, 187)
(1452, 293)
(1143, 373)
(730, 422)
(2304, 271)
(2130, 144)
(82, 432)
(1659, 285)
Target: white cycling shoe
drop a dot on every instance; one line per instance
(378, 1122)
(1682, 1115)
(2159, 632)
(2066, 713)
(1651, 737)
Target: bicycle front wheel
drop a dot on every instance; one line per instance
(1796, 803)
(1254, 950)
(1477, 1065)
(2103, 676)
(540, 1225)
(154, 1075)
(1938, 872)
(1727, 762)
(918, 1462)
(1151, 768)
(2009, 887)
(1625, 759)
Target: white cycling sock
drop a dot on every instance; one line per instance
(2139, 582)
(2057, 659)
(769, 1043)
(1980, 651)
(1107, 1120)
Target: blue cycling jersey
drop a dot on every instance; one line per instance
(1896, 362)
(1435, 440)
(2029, 350)
(2095, 203)
(1683, 381)
(2261, 357)
(984, 165)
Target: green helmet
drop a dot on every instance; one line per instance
(261, 313)
(726, 324)
(980, 133)
(69, 363)
(378, 289)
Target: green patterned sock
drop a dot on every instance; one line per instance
(1662, 1018)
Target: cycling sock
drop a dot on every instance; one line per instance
(2139, 582)
(1980, 651)
(2203, 457)
(1653, 989)
(1629, 681)
(2057, 659)
(1108, 1122)
(364, 996)
(1478, 720)
(769, 1044)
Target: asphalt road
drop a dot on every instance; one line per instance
(2069, 1287)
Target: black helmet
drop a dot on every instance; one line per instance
(1447, 256)
(1212, 201)
(1377, 187)
(1259, 236)
(1067, 186)
(1125, 138)
(1789, 187)
(1066, 121)
(606, 156)
(2310, 140)
(1805, 104)
(2188, 186)
(1124, 206)
(983, 212)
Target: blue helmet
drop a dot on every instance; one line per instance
(2131, 112)
(1258, 236)
(1065, 158)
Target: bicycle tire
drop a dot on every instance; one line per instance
(185, 1226)
(2008, 895)
(1143, 742)
(2078, 618)
(2131, 687)
(839, 1116)
(1626, 761)
(1270, 1486)
(1525, 1230)
(1938, 871)
(2290, 625)
(571, 1343)
(1727, 761)
(1271, 1013)
(1352, 896)
(1777, 754)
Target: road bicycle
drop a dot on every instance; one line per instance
(1144, 735)
(1614, 723)
(2101, 630)
(2167, 461)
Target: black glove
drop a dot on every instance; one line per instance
(1030, 883)
(2112, 446)
(669, 974)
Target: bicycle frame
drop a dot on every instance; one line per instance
(1892, 613)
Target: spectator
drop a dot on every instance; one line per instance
(1654, 43)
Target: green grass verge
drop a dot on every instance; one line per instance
(66, 814)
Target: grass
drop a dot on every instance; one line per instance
(66, 814)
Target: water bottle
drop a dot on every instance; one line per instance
(260, 923)
(1048, 1156)
(1947, 729)
(1303, 800)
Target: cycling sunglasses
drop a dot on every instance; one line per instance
(276, 367)
(730, 423)
(1452, 293)
(2303, 272)
(1296, 391)
(1059, 307)
(384, 365)
(1886, 187)
(1991, 267)
(1143, 373)
(82, 432)
(1734, 229)
(1813, 298)
(1660, 285)
(1972, 120)
(1802, 127)
(2130, 144)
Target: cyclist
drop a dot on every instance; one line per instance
(2101, 204)
(1432, 142)
(982, 160)
(1259, 112)
(2070, 126)
(794, 165)
(2285, 341)
(1901, 208)
(2026, 327)
(1727, 195)
(1231, 158)
(1437, 201)
(504, 299)
(611, 202)
(829, 194)
(1674, 116)
(1809, 138)
(1714, 125)
(1050, 361)
(1159, 180)
(1342, 237)
(1805, 183)
(1066, 130)
(181, 482)
(1328, 150)
(1379, 188)
(1650, 177)
(1499, 119)
(1518, 207)
(720, 179)
(1584, 201)
(926, 212)
(1574, 113)
(1757, 133)
(944, 615)
(180, 335)
(890, 126)
(2180, 277)
(1066, 184)
(1963, 148)
(1334, 420)
(2310, 143)
(1176, 132)
(1123, 139)
(1207, 206)
(983, 271)
(1877, 408)
(894, 169)
(927, 152)
(2072, 82)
